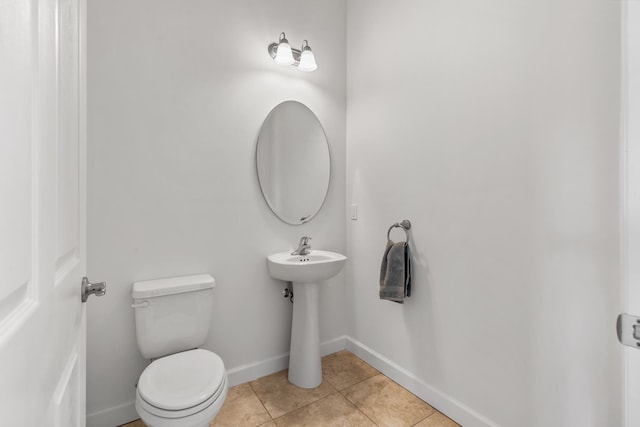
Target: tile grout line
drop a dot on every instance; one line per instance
(360, 381)
(260, 400)
(352, 403)
(367, 416)
(326, 397)
(335, 390)
(307, 404)
(428, 416)
(341, 391)
(419, 398)
(357, 409)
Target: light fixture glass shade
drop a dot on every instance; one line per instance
(307, 60)
(284, 56)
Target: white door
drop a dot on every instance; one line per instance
(631, 200)
(42, 212)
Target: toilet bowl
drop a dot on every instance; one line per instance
(183, 386)
(182, 390)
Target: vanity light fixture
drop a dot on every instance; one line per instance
(307, 60)
(283, 54)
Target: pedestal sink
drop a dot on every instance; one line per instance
(306, 272)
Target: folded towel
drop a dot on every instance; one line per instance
(395, 272)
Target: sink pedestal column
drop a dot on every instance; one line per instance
(305, 369)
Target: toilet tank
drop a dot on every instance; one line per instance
(173, 314)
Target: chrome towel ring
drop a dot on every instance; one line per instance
(405, 225)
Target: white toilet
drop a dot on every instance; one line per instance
(184, 386)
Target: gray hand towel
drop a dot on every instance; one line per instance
(395, 272)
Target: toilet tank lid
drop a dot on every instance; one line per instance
(172, 285)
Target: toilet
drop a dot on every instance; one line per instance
(184, 386)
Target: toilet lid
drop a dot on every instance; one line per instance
(181, 380)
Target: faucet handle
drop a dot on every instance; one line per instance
(304, 240)
(303, 246)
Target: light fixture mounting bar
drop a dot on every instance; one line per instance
(273, 49)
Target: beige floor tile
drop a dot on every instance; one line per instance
(386, 403)
(332, 411)
(136, 423)
(437, 420)
(343, 369)
(268, 424)
(241, 408)
(279, 396)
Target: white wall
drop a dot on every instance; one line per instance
(493, 127)
(178, 91)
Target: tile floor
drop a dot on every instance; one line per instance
(353, 394)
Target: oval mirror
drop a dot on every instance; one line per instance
(293, 162)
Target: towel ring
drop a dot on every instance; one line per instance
(405, 225)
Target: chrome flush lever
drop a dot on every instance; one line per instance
(87, 288)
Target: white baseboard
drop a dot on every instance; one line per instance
(112, 417)
(124, 413)
(252, 371)
(334, 345)
(449, 406)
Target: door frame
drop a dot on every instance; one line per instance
(630, 198)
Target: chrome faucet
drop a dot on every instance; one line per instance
(304, 248)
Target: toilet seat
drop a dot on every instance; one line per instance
(182, 384)
(159, 418)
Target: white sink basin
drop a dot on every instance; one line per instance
(305, 271)
(317, 266)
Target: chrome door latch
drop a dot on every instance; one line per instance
(628, 328)
(87, 288)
